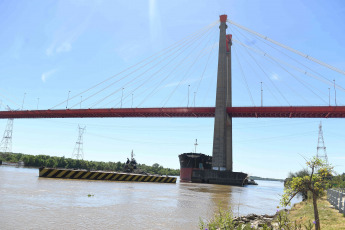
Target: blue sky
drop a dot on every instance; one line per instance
(49, 48)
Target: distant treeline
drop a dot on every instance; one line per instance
(62, 162)
(261, 178)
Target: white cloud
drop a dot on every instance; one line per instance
(64, 47)
(275, 77)
(155, 21)
(47, 74)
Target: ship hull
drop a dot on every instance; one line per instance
(193, 161)
(197, 168)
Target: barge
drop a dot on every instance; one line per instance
(102, 175)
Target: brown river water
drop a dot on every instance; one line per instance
(30, 202)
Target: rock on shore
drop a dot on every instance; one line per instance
(254, 220)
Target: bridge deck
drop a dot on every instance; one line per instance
(282, 112)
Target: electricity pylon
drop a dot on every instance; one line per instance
(6, 142)
(321, 149)
(78, 152)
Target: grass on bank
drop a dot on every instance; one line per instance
(330, 218)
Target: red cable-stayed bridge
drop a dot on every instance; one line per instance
(223, 112)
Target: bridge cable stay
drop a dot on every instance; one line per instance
(143, 61)
(188, 77)
(288, 48)
(267, 76)
(212, 84)
(189, 43)
(161, 60)
(145, 81)
(163, 53)
(207, 64)
(265, 54)
(244, 77)
(152, 75)
(257, 63)
(184, 77)
(326, 81)
(320, 77)
(272, 82)
(277, 61)
(207, 48)
(9, 99)
(294, 76)
(159, 86)
(253, 69)
(257, 74)
(184, 61)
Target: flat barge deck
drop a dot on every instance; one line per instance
(102, 175)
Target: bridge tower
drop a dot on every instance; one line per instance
(222, 139)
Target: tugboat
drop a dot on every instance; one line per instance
(131, 165)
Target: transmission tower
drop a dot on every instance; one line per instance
(78, 152)
(321, 149)
(6, 142)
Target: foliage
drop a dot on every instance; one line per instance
(338, 181)
(301, 173)
(316, 183)
(221, 220)
(224, 220)
(62, 162)
(285, 223)
(330, 218)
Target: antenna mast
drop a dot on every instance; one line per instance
(78, 152)
(196, 144)
(321, 146)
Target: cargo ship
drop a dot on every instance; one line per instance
(193, 161)
(197, 168)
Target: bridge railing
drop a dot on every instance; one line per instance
(336, 196)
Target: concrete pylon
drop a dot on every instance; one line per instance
(222, 139)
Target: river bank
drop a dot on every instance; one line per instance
(301, 215)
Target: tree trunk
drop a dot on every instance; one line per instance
(316, 213)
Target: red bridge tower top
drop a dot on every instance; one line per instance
(223, 18)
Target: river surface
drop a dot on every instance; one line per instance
(30, 202)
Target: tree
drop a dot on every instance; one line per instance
(316, 183)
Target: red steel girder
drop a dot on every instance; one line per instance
(123, 112)
(289, 112)
(282, 112)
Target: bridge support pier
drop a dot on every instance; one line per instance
(222, 138)
(222, 166)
